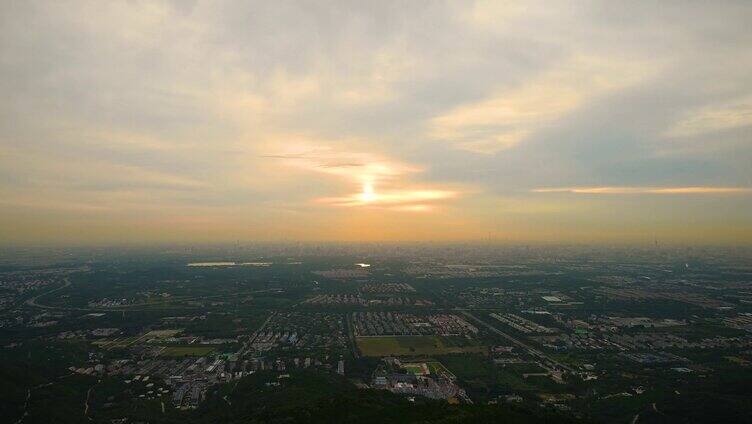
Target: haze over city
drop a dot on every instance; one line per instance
(542, 122)
(375, 212)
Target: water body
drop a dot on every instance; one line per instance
(214, 264)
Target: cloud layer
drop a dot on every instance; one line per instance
(224, 120)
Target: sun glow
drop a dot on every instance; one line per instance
(368, 195)
(393, 199)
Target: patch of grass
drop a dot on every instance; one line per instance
(437, 368)
(178, 351)
(163, 334)
(468, 367)
(416, 369)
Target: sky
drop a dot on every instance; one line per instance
(387, 121)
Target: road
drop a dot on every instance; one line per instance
(247, 345)
(33, 300)
(351, 336)
(86, 402)
(28, 397)
(531, 350)
(88, 396)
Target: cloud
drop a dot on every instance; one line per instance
(381, 181)
(712, 119)
(509, 116)
(334, 158)
(39, 169)
(287, 120)
(645, 190)
(422, 200)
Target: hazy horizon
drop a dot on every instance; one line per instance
(158, 123)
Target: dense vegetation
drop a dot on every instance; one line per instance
(304, 397)
(311, 397)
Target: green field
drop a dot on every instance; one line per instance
(163, 334)
(413, 346)
(416, 368)
(186, 351)
(437, 368)
(118, 342)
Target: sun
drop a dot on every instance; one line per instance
(368, 195)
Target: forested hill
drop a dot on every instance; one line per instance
(303, 397)
(309, 397)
